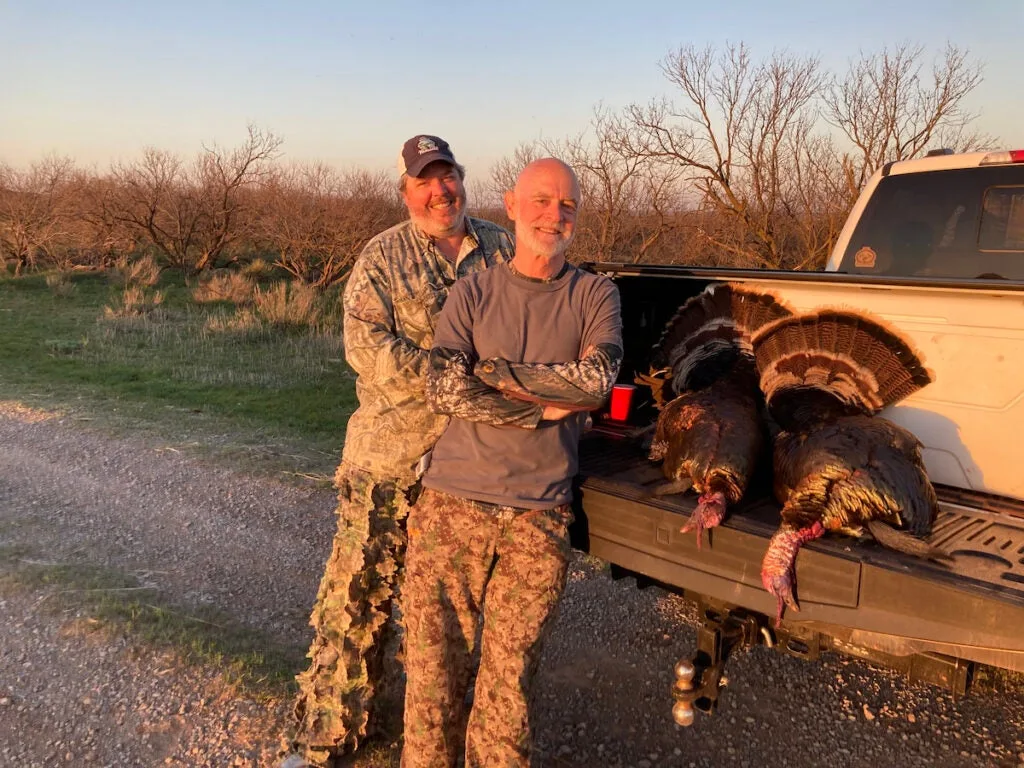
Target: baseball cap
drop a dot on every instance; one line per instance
(419, 151)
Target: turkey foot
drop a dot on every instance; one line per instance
(778, 569)
(709, 513)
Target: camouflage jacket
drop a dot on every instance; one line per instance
(392, 300)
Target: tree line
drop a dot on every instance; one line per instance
(754, 163)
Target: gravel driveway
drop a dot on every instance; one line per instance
(75, 693)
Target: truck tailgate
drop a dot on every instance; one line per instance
(973, 608)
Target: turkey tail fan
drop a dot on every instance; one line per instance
(832, 363)
(710, 333)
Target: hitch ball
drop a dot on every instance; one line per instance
(685, 670)
(682, 713)
(682, 710)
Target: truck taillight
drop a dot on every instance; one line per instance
(999, 158)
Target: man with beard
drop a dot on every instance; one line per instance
(391, 303)
(521, 353)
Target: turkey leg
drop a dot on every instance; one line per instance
(778, 569)
(709, 513)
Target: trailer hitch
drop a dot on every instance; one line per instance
(699, 679)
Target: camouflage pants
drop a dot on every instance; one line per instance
(342, 694)
(469, 561)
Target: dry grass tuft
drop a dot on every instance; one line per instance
(243, 321)
(258, 268)
(12, 409)
(288, 305)
(135, 301)
(224, 286)
(142, 272)
(60, 284)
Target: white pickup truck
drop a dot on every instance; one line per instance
(935, 246)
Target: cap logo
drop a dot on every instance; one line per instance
(426, 144)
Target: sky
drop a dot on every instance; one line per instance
(348, 82)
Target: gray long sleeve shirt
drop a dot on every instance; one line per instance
(557, 342)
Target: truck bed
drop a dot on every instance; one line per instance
(848, 588)
(971, 336)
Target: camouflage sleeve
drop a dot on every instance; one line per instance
(453, 390)
(372, 346)
(580, 385)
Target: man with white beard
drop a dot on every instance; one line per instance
(391, 303)
(521, 352)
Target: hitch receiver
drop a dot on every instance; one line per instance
(699, 679)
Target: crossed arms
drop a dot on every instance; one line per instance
(502, 393)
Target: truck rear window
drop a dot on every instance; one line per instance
(964, 223)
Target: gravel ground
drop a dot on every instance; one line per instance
(73, 692)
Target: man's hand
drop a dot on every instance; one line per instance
(554, 413)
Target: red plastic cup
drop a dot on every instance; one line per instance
(622, 399)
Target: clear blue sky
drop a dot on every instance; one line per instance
(347, 82)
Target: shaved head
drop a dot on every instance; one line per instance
(543, 204)
(548, 165)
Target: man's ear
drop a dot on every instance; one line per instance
(510, 201)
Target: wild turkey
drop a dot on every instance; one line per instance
(711, 435)
(837, 466)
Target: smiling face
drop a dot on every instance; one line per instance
(544, 206)
(436, 200)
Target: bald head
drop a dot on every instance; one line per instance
(549, 167)
(544, 205)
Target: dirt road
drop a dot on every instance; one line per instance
(196, 539)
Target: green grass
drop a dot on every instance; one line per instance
(179, 370)
(259, 397)
(265, 398)
(118, 601)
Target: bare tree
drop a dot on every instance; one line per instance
(194, 214)
(155, 199)
(99, 234)
(505, 172)
(629, 195)
(734, 137)
(317, 220)
(34, 220)
(224, 177)
(814, 198)
(891, 108)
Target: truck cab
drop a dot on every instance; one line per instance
(946, 215)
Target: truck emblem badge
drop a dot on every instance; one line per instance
(865, 258)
